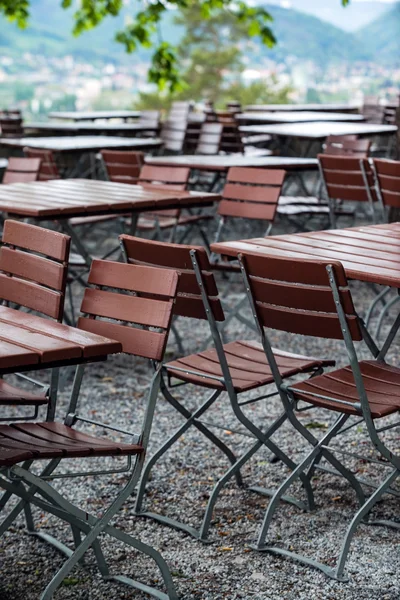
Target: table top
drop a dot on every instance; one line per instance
(76, 115)
(80, 143)
(319, 130)
(65, 198)
(30, 342)
(327, 107)
(297, 116)
(370, 253)
(90, 127)
(224, 162)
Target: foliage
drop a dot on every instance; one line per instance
(255, 22)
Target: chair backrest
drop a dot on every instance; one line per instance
(179, 111)
(11, 112)
(372, 110)
(347, 145)
(387, 173)
(123, 166)
(147, 306)
(175, 178)
(389, 114)
(33, 265)
(173, 133)
(348, 178)
(22, 170)
(150, 118)
(295, 295)
(48, 166)
(251, 193)
(231, 140)
(210, 138)
(234, 106)
(177, 256)
(11, 127)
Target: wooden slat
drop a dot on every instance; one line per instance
(144, 311)
(139, 342)
(31, 295)
(35, 268)
(146, 280)
(47, 347)
(247, 210)
(251, 193)
(273, 177)
(175, 256)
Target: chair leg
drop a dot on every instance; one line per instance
(364, 510)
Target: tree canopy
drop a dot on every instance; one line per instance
(144, 28)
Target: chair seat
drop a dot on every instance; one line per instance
(247, 363)
(381, 382)
(12, 395)
(25, 441)
(164, 222)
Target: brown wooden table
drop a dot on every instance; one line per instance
(62, 199)
(77, 115)
(370, 253)
(29, 342)
(296, 117)
(327, 107)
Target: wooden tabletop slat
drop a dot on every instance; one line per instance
(369, 253)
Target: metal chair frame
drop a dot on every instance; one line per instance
(321, 447)
(35, 490)
(262, 438)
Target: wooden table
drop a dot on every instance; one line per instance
(370, 253)
(29, 342)
(327, 107)
(225, 162)
(77, 115)
(296, 117)
(90, 143)
(310, 136)
(90, 128)
(63, 199)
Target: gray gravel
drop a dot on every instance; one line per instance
(226, 568)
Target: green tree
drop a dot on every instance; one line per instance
(140, 32)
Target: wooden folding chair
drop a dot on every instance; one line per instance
(175, 178)
(347, 145)
(21, 170)
(33, 275)
(138, 318)
(348, 179)
(210, 138)
(312, 298)
(235, 368)
(173, 135)
(122, 166)
(48, 165)
(11, 126)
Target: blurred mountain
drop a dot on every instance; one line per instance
(382, 36)
(354, 16)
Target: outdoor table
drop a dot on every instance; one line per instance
(296, 117)
(30, 343)
(78, 153)
(315, 133)
(327, 107)
(220, 164)
(62, 199)
(76, 115)
(370, 253)
(90, 128)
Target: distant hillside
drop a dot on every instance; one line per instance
(383, 37)
(299, 35)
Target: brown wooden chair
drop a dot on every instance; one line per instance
(210, 138)
(122, 166)
(11, 127)
(134, 306)
(175, 178)
(179, 111)
(387, 177)
(346, 145)
(173, 135)
(348, 179)
(21, 170)
(33, 276)
(312, 298)
(235, 368)
(48, 166)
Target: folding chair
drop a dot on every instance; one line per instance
(33, 265)
(210, 138)
(312, 298)
(11, 126)
(175, 178)
(122, 166)
(235, 368)
(146, 320)
(347, 179)
(347, 145)
(173, 135)
(21, 170)
(48, 166)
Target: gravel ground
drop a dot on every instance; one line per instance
(226, 568)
